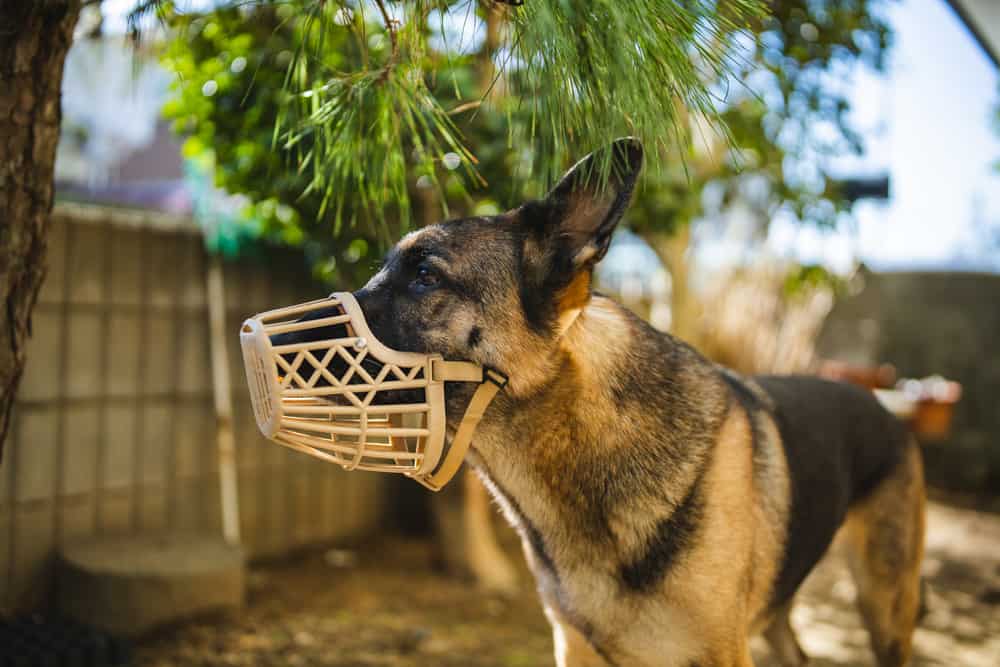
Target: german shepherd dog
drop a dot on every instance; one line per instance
(668, 508)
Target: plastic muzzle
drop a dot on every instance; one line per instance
(321, 383)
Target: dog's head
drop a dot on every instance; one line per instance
(501, 290)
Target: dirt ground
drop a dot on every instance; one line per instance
(386, 606)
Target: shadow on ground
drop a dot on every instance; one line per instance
(386, 606)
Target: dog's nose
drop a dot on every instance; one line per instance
(374, 304)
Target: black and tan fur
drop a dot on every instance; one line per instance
(668, 508)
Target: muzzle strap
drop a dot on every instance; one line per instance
(491, 382)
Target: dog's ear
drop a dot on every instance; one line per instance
(584, 208)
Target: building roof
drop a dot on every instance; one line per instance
(982, 18)
(114, 147)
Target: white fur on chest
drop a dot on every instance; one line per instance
(639, 629)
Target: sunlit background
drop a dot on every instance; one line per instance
(928, 123)
(117, 425)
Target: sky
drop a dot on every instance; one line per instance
(928, 122)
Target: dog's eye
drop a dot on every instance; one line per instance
(425, 277)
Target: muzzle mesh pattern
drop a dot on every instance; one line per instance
(321, 383)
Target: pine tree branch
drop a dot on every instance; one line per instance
(390, 27)
(468, 106)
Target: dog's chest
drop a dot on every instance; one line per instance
(565, 565)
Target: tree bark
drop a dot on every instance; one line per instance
(672, 250)
(34, 39)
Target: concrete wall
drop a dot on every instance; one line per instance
(114, 426)
(934, 323)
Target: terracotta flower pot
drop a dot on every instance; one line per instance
(935, 399)
(932, 420)
(882, 376)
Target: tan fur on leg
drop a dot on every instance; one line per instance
(746, 660)
(781, 638)
(885, 539)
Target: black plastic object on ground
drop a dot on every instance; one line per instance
(37, 641)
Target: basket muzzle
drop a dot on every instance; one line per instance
(323, 384)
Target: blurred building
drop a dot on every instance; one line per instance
(114, 147)
(933, 323)
(982, 18)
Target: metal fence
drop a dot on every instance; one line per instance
(114, 428)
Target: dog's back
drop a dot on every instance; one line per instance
(852, 463)
(839, 443)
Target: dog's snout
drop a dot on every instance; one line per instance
(374, 306)
(313, 334)
(336, 366)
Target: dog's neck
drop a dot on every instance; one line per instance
(617, 386)
(582, 376)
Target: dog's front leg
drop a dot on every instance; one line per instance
(571, 647)
(781, 638)
(747, 659)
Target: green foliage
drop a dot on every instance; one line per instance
(786, 109)
(363, 121)
(803, 52)
(574, 73)
(232, 91)
(593, 71)
(373, 99)
(228, 97)
(344, 125)
(804, 279)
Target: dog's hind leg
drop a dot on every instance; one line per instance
(885, 544)
(781, 638)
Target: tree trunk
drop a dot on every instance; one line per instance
(672, 250)
(34, 39)
(487, 70)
